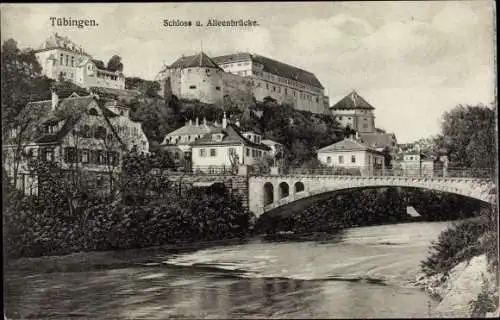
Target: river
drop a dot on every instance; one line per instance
(364, 273)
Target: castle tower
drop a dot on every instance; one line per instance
(354, 111)
(201, 79)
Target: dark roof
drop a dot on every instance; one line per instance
(231, 136)
(352, 101)
(198, 60)
(378, 140)
(273, 66)
(56, 41)
(347, 145)
(69, 110)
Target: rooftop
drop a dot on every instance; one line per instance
(348, 144)
(272, 66)
(352, 101)
(231, 135)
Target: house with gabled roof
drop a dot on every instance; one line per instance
(350, 153)
(77, 132)
(226, 147)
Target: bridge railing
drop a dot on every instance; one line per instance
(365, 171)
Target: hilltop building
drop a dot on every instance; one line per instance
(61, 59)
(243, 75)
(355, 112)
(78, 133)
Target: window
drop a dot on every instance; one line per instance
(286, 91)
(274, 88)
(253, 153)
(340, 118)
(100, 133)
(84, 156)
(72, 61)
(267, 86)
(217, 88)
(61, 57)
(202, 153)
(349, 118)
(93, 112)
(329, 160)
(67, 60)
(70, 155)
(232, 151)
(341, 159)
(353, 158)
(192, 87)
(176, 155)
(213, 152)
(248, 152)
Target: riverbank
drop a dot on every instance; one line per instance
(459, 291)
(461, 269)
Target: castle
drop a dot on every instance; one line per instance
(210, 80)
(62, 59)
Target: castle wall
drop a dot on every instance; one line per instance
(203, 84)
(238, 88)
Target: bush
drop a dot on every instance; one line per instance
(458, 243)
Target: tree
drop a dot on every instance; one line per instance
(468, 135)
(18, 69)
(115, 64)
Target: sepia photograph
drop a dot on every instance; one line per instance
(250, 160)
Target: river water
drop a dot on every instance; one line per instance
(364, 273)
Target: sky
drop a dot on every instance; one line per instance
(411, 60)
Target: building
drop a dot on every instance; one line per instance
(355, 112)
(352, 154)
(194, 77)
(416, 163)
(244, 75)
(178, 142)
(283, 82)
(226, 148)
(78, 133)
(275, 147)
(61, 59)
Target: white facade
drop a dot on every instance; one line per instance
(361, 120)
(61, 59)
(88, 75)
(217, 156)
(350, 159)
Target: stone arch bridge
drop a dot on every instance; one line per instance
(269, 192)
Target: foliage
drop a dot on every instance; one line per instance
(468, 135)
(35, 229)
(115, 64)
(19, 69)
(458, 243)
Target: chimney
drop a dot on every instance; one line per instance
(197, 122)
(224, 121)
(190, 123)
(55, 98)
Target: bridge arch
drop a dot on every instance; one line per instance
(299, 187)
(268, 193)
(284, 190)
(286, 187)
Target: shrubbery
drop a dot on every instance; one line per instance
(33, 229)
(461, 242)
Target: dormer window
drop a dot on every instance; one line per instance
(217, 137)
(93, 112)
